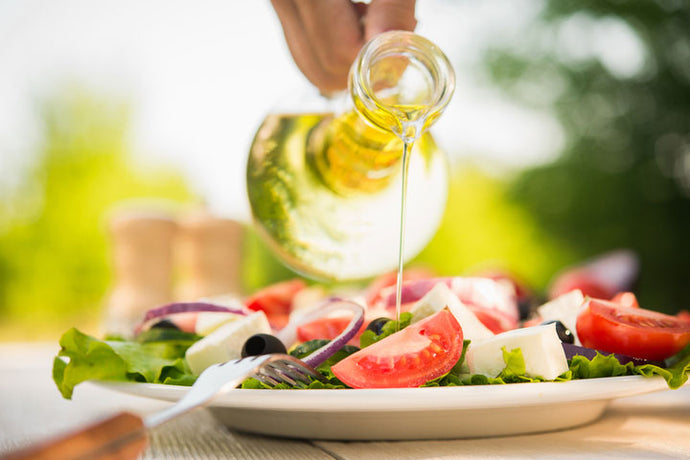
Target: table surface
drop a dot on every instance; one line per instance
(654, 426)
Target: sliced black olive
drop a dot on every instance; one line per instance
(262, 344)
(376, 325)
(165, 324)
(563, 332)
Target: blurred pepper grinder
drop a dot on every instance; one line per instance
(209, 257)
(142, 262)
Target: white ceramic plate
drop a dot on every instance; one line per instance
(414, 413)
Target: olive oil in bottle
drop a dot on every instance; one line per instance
(325, 193)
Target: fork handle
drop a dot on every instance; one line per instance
(120, 437)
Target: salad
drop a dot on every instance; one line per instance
(453, 331)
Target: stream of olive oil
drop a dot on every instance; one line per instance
(407, 122)
(407, 148)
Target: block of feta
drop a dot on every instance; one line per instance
(541, 349)
(226, 342)
(565, 309)
(439, 297)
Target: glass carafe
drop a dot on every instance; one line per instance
(324, 180)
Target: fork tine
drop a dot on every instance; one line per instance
(306, 370)
(286, 369)
(267, 379)
(273, 371)
(289, 372)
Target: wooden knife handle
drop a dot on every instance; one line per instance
(120, 437)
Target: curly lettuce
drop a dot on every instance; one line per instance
(83, 357)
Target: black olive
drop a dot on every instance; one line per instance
(165, 324)
(376, 325)
(262, 344)
(563, 332)
(524, 308)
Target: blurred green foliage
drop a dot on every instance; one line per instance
(54, 254)
(623, 178)
(260, 266)
(483, 230)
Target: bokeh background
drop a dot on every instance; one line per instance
(569, 135)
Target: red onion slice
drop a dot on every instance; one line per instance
(332, 347)
(288, 335)
(184, 307)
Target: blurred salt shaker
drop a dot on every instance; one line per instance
(142, 262)
(209, 257)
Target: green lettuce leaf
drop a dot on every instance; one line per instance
(676, 371)
(599, 366)
(83, 357)
(452, 378)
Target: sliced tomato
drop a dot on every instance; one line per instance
(601, 277)
(626, 299)
(635, 332)
(327, 328)
(580, 279)
(421, 352)
(491, 319)
(276, 301)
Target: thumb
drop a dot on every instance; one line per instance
(384, 15)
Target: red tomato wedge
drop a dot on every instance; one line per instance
(580, 279)
(421, 352)
(327, 328)
(491, 319)
(276, 301)
(635, 332)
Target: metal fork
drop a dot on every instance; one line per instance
(220, 378)
(123, 436)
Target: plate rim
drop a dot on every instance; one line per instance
(421, 399)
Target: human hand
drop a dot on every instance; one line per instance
(324, 36)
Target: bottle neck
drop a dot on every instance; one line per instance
(401, 82)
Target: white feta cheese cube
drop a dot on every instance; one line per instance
(226, 342)
(565, 309)
(541, 349)
(439, 297)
